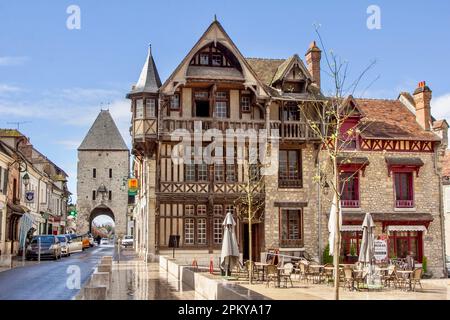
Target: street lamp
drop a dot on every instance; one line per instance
(26, 179)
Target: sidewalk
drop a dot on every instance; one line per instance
(433, 289)
(17, 262)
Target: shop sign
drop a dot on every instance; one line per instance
(29, 196)
(380, 250)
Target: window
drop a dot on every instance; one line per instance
(351, 242)
(110, 173)
(201, 231)
(349, 138)
(290, 174)
(231, 173)
(189, 231)
(93, 194)
(291, 227)
(3, 180)
(221, 107)
(175, 102)
(349, 185)
(150, 108)
(229, 208)
(201, 210)
(218, 228)
(189, 209)
(110, 195)
(139, 109)
(402, 242)
(201, 99)
(94, 173)
(403, 189)
(202, 172)
(218, 172)
(245, 103)
(218, 210)
(290, 112)
(189, 172)
(204, 59)
(216, 60)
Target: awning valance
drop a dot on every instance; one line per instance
(351, 228)
(406, 228)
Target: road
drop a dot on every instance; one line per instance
(47, 280)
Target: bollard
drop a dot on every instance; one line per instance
(100, 279)
(104, 268)
(94, 293)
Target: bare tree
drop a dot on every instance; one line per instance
(327, 117)
(250, 203)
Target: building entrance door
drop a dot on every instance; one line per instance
(257, 228)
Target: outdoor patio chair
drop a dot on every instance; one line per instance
(255, 275)
(328, 273)
(272, 275)
(286, 274)
(305, 272)
(349, 281)
(415, 278)
(241, 271)
(390, 276)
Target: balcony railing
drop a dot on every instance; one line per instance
(291, 243)
(350, 203)
(404, 203)
(294, 183)
(293, 130)
(288, 129)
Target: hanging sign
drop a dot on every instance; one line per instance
(132, 186)
(29, 196)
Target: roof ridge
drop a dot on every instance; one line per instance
(376, 99)
(266, 58)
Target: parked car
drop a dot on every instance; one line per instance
(127, 241)
(65, 247)
(86, 242)
(75, 243)
(104, 241)
(47, 246)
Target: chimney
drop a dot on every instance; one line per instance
(422, 99)
(313, 56)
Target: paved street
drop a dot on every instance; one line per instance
(47, 280)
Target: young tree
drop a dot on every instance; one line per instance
(328, 117)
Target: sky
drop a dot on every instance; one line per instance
(56, 79)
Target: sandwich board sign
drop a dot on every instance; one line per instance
(380, 249)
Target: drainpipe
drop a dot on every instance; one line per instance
(319, 216)
(441, 209)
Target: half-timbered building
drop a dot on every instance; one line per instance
(216, 87)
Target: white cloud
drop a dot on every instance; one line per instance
(69, 144)
(6, 89)
(440, 107)
(12, 61)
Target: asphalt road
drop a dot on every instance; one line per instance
(48, 279)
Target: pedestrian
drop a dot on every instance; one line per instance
(410, 261)
(98, 239)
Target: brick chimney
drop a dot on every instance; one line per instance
(422, 99)
(313, 56)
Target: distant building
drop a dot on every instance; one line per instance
(102, 175)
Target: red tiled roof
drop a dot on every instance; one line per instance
(391, 119)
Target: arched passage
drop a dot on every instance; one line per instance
(98, 212)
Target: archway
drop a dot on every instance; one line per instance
(102, 222)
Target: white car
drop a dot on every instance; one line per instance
(75, 243)
(127, 241)
(104, 241)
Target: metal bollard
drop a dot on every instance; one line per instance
(39, 250)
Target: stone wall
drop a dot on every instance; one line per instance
(118, 161)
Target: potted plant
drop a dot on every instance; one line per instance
(352, 257)
(426, 273)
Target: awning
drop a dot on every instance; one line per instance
(351, 228)
(406, 228)
(404, 164)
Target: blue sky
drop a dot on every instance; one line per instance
(59, 78)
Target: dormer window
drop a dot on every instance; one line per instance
(294, 86)
(204, 59)
(216, 60)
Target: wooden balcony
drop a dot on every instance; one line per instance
(293, 130)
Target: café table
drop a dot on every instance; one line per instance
(261, 266)
(406, 275)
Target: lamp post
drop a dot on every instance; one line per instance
(26, 180)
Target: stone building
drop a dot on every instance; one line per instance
(397, 159)
(102, 174)
(446, 199)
